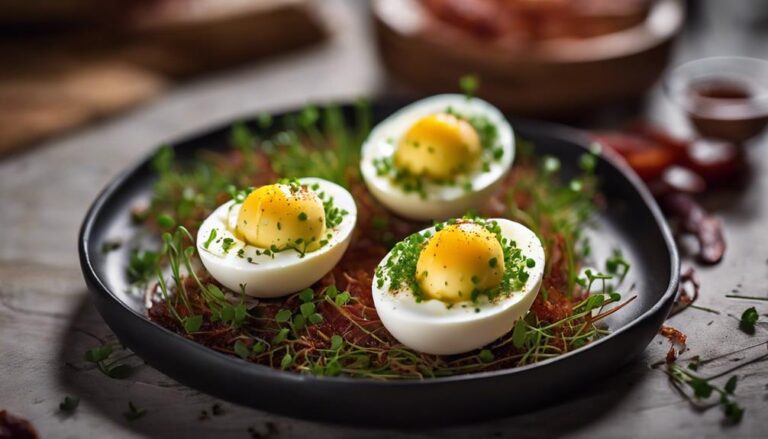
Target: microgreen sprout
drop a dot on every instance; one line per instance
(109, 362)
(469, 85)
(110, 246)
(142, 266)
(69, 404)
(616, 264)
(332, 328)
(748, 320)
(703, 388)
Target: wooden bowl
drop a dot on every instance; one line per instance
(549, 77)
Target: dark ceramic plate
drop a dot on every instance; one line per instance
(631, 221)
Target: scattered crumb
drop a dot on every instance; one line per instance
(676, 337)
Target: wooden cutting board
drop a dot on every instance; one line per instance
(52, 82)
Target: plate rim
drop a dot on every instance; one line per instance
(556, 131)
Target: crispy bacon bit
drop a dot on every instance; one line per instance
(644, 150)
(480, 18)
(13, 427)
(675, 337)
(526, 21)
(673, 168)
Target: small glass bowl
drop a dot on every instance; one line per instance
(724, 97)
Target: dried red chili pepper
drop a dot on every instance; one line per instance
(647, 157)
(695, 220)
(674, 168)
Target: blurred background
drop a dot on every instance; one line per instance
(92, 85)
(588, 62)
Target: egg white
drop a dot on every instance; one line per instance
(432, 327)
(441, 201)
(283, 272)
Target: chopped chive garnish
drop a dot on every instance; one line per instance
(211, 237)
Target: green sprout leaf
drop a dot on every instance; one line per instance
(315, 318)
(307, 294)
(110, 246)
(69, 404)
(240, 313)
(748, 320)
(134, 412)
(730, 386)
(192, 323)
(142, 265)
(593, 302)
(283, 315)
(587, 162)
(299, 321)
(733, 412)
(336, 342)
(469, 85)
(331, 291)
(165, 221)
(265, 120)
(286, 361)
(307, 309)
(98, 354)
(485, 356)
(120, 371)
(281, 336)
(519, 333)
(215, 291)
(701, 388)
(227, 313)
(241, 350)
(333, 368)
(342, 298)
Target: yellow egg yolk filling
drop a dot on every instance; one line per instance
(459, 260)
(282, 216)
(438, 146)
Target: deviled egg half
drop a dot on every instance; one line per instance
(459, 285)
(279, 238)
(438, 157)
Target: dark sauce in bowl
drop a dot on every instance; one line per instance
(728, 109)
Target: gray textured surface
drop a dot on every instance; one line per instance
(47, 321)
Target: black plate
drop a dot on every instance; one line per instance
(631, 221)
